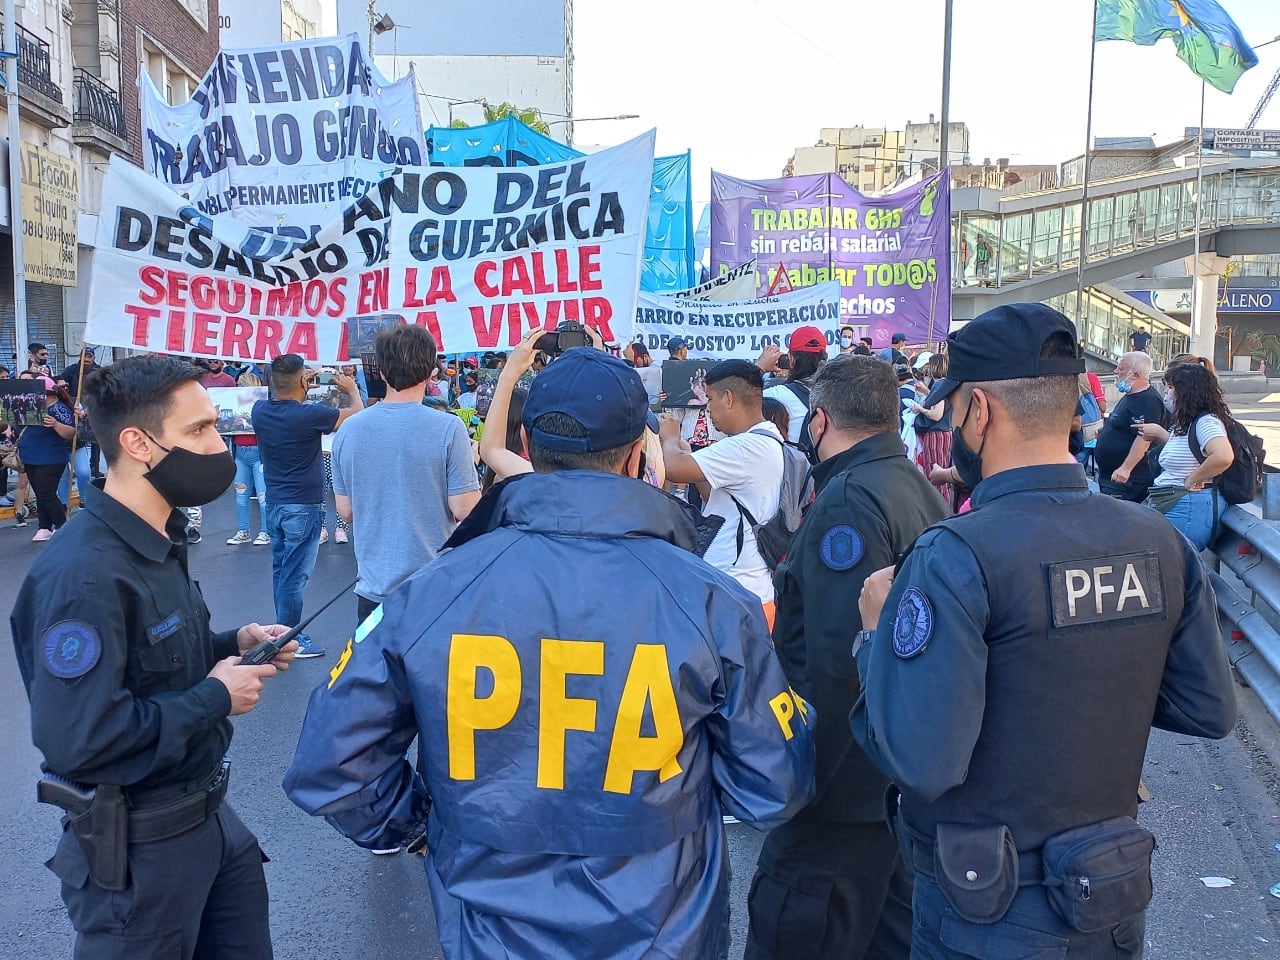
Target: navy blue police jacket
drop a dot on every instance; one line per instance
(589, 696)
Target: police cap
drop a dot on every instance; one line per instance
(1005, 344)
(599, 391)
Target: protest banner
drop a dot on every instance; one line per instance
(285, 135)
(235, 408)
(477, 255)
(22, 403)
(508, 142)
(736, 284)
(721, 331)
(890, 254)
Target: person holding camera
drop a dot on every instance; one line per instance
(586, 694)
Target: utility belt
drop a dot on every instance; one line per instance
(1094, 876)
(106, 820)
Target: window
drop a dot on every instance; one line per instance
(293, 25)
(173, 82)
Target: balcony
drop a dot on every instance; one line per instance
(98, 118)
(43, 97)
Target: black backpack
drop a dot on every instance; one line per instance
(1241, 481)
(774, 536)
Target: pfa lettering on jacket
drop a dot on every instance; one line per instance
(1102, 589)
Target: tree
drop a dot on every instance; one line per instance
(529, 116)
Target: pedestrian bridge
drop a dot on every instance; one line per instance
(1011, 248)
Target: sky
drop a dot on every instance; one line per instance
(744, 82)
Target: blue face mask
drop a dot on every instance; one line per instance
(1124, 386)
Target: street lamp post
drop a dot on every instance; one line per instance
(15, 182)
(573, 120)
(458, 103)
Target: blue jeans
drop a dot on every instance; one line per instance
(249, 479)
(1196, 515)
(80, 464)
(294, 529)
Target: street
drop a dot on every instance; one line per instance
(1215, 810)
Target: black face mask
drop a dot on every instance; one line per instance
(968, 462)
(187, 479)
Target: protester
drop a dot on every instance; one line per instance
(677, 348)
(806, 352)
(776, 413)
(933, 427)
(404, 498)
(1184, 491)
(71, 376)
(218, 375)
(870, 505)
(356, 372)
(863, 349)
(583, 826)
(4, 373)
(341, 528)
(1124, 470)
(744, 470)
(893, 353)
(1021, 655)
(131, 691)
(250, 482)
(38, 360)
(44, 452)
(846, 339)
(289, 432)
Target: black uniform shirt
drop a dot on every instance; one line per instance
(114, 646)
(872, 503)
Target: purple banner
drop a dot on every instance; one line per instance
(890, 254)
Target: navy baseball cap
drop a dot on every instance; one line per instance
(675, 343)
(1005, 344)
(599, 391)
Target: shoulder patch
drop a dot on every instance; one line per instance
(841, 547)
(913, 624)
(70, 649)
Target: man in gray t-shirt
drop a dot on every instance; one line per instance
(403, 473)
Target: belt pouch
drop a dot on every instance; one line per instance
(1099, 874)
(977, 869)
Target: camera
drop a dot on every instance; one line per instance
(569, 334)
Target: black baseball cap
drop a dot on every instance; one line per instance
(1005, 344)
(599, 391)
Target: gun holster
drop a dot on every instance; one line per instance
(100, 819)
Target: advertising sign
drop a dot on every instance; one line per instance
(50, 208)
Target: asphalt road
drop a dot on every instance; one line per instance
(1215, 809)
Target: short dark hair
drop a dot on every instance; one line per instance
(546, 460)
(743, 377)
(33, 348)
(857, 393)
(5, 369)
(284, 369)
(1041, 406)
(406, 354)
(134, 392)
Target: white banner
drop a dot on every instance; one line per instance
(720, 331)
(286, 135)
(477, 255)
(738, 284)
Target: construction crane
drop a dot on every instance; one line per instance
(1267, 94)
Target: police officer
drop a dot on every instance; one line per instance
(131, 690)
(834, 869)
(586, 694)
(1022, 654)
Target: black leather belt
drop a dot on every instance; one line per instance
(170, 811)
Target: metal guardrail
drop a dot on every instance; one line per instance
(1249, 547)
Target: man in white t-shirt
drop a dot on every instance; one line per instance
(745, 466)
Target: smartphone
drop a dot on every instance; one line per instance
(324, 379)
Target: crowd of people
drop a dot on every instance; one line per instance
(613, 627)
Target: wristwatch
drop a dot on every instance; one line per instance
(862, 637)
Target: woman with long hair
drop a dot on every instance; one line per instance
(1184, 491)
(250, 483)
(933, 426)
(44, 451)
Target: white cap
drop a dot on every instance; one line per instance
(923, 357)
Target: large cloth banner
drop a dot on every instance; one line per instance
(283, 136)
(669, 253)
(737, 284)
(889, 253)
(477, 255)
(722, 331)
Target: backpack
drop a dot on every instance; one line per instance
(1090, 415)
(774, 536)
(1241, 481)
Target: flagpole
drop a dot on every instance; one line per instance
(1084, 197)
(1195, 262)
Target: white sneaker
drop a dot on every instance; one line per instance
(242, 536)
(387, 852)
(730, 818)
(340, 536)
(324, 536)
(42, 535)
(262, 540)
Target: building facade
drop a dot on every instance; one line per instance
(79, 103)
(466, 54)
(259, 23)
(873, 159)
